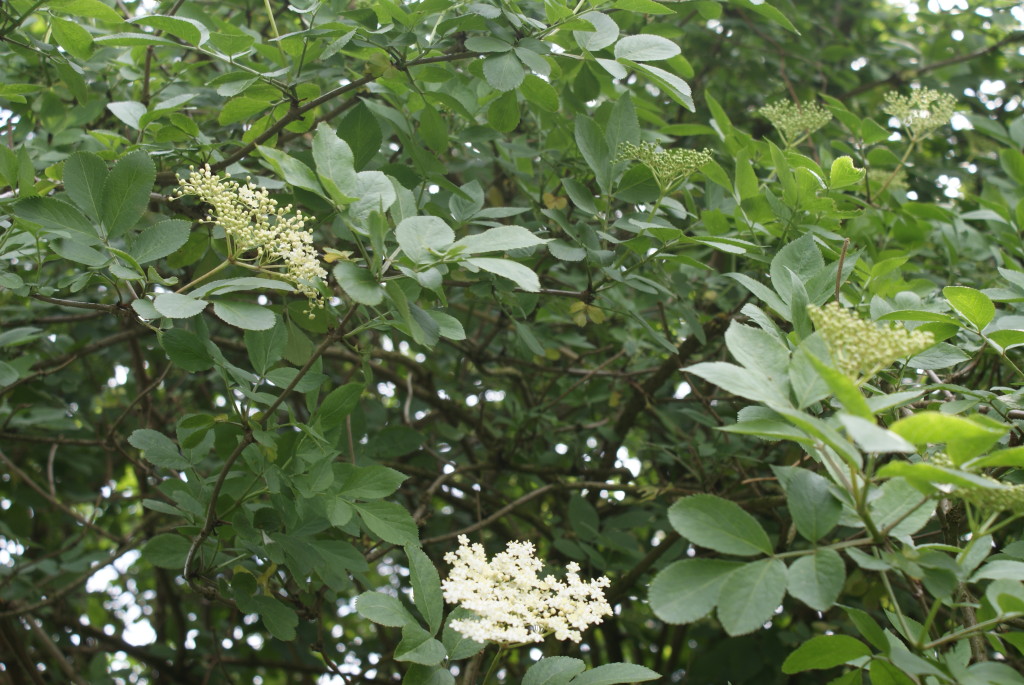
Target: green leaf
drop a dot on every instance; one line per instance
(843, 388)
(645, 48)
(358, 283)
(458, 645)
(389, 521)
(719, 524)
(87, 8)
(673, 86)
(553, 670)
(374, 192)
(448, 326)
(591, 141)
(417, 646)
(160, 240)
(233, 285)
(335, 165)
(747, 383)
(367, 482)
(55, 215)
(605, 32)
(128, 111)
(817, 579)
(384, 610)
(157, 449)
(177, 306)
(279, 618)
(965, 438)
(186, 350)
(428, 675)
(503, 114)
(768, 12)
(189, 30)
(266, 347)
(498, 239)
(424, 239)
(245, 315)
(814, 509)
(824, 651)
(687, 590)
(750, 595)
(426, 587)
(504, 71)
(973, 305)
(126, 192)
(523, 276)
(610, 674)
(362, 132)
(166, 550)
(72, 37)
(291, 170)
(843, 173)
(539, 92)
(341, 402)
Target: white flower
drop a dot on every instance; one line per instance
(513, 604)
(252, 221)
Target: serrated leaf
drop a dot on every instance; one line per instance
(185, 349)
(383, 609)
(553, 670)
(824, 651)
(719, 524)
(817, 579)
(166, 550)
(522, 275)
(973, 305)
(814, 509)
(160, 240)
(687, 590)
(611, 674)
(750, 595)
(189, 30)
(645, 48)
(424, 238)
(504, 71)
(157, 449)
(177, 306)
(128, 111)
(244, 315)
(126, 192)
(426, 587)
(389, 521)
(498, 239)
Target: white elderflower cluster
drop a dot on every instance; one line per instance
(253, 221)
(792, 121)
(513, 604)
(921, 112)
(861, 348)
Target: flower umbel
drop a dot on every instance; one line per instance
(513, 604)
(921, 112)
(668, 166)
(795, 121)
(861, 348)
(252, 221)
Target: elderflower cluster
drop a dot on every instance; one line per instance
(792, 121)
(668, 166)
(1004, 498)
(513, 604)
(920, 113)
(253, 221)
(860, 348)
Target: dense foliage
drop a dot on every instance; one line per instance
(720, 301)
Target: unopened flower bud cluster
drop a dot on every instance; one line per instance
(668, 166)
(860, 348)
(1001, 498)
(921, 112)
(513, 603)
(252, 220)
(793, 121)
